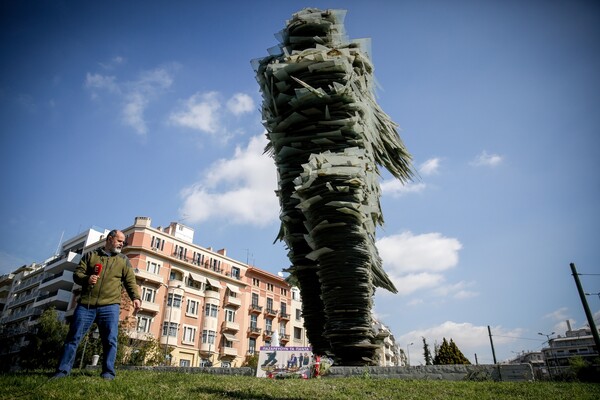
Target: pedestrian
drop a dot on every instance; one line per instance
(101, 274)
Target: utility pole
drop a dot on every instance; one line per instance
(492, 343)
(586, 308)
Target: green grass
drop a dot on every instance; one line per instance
(144, 385)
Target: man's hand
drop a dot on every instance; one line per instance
(137, 304)
(93, 279)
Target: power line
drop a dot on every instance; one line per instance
(517, 337)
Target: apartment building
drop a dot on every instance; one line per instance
(575, 343)
(205, 307)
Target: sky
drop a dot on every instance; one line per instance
(115, 109)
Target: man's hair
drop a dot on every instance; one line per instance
(112, 234)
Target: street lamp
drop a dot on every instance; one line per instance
(95, 335)
(408, 352)
(551, 350)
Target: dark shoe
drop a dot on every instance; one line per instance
(108, 377)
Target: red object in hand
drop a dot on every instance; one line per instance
(97, 269)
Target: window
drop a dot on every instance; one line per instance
(227, 342)
(251, 345)
(211, 310)
(153, 267)
(229, 315)
(281, 329)
(235, 272)
(270, 287)
(172, 329)
(283, 307)
(295, 295)
(269, 304)
(254, 299)
(226, 364)
(269, 325)
(298, 314)
(184, 363)
(180, 252)
(174, 300)
(255, 282)
(283, 292)
(143, 323)
(198, 258)
(253, 321)
(189, 334)
(192, 307)
(297, 333)
(157, 243)
(208, 336)
(148, 295)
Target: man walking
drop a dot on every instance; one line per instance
(101, 274)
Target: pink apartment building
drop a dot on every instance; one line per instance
(206, 308)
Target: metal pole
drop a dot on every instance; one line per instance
(492, 343)
(586, 308)
(169, 324)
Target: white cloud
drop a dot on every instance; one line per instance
(136, 95)
(97, 81)
(240, 103)
(470, 339)
(239, 190)
(408, 253)
(133, 112)
(199, 112)
(457, 290)
(485, 159)
(430, 167)
(113, 62)
(395, 188)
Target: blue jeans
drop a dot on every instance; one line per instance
(107, 318)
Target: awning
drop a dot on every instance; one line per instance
(230, 337)
(197, 278)
(213, 283)
(233, 288)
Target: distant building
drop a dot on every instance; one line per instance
(561, 349)
(388, 353)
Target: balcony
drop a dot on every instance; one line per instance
(283, 315)
(284, 338)
(255, 308)
(233, 301)
(228, 351)
(67, 261)
(271, 312)
(58, 298)
(148, 276)
(61, 280)
(230, 326)
(268, 333)
(254, 331)
(30, 312)
(16, 301)
(150, 307)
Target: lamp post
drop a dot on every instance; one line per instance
(408, 352)
(95, 335)
(551, 350)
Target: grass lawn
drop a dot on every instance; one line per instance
(145, 385)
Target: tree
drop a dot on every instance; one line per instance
(45, 342)
(449, 354)
(426, 352)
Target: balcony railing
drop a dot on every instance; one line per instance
(270, 311)
(253, 330)
(255, 308)
(284, 315)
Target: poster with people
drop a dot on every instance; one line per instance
(278, 362)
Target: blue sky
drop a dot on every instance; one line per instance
(111, 110)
